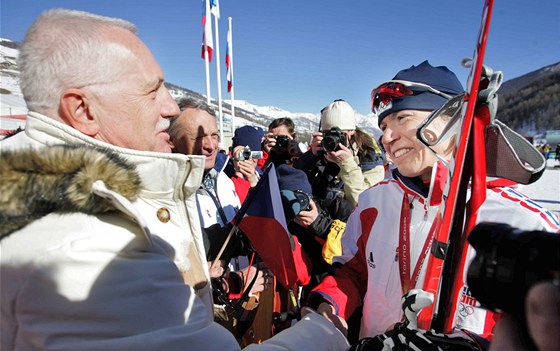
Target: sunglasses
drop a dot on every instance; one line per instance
(385, 92)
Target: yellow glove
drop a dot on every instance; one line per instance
(333, 245)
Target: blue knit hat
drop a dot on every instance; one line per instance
(290, 178)
(247, 136)
(439, 78)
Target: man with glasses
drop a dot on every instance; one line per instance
(388, 235)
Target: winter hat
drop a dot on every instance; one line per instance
(290, 178)
(439, 78)
(247, 136)
(261, 131)
(339, 114)
(291, 181)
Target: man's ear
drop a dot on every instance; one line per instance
(75, 111)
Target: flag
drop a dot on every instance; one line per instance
(215, 8)
(229, 56)
(261, 218)
(207, 38)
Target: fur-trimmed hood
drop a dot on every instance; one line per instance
(36, 182)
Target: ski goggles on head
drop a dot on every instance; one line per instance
(386, 92)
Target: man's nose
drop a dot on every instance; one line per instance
(169, 106)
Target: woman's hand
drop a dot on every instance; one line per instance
(339, 155)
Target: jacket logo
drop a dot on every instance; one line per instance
(370, 260)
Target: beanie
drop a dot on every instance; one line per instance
(439, 78)
(339, 114)
(290, 178)
(247, 136)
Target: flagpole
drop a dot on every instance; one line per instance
(232, 96)
(205, 48)
(219, 80)
(207, 67)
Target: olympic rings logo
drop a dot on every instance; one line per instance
(465, 310)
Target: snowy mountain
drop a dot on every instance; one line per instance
(247, 113)
(13, 106)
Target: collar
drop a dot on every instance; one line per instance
(430, 193)
(159, 172)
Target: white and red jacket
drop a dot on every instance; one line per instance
(370, 273)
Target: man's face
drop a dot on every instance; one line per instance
(133, 111)
(197, 134)
(281, 130)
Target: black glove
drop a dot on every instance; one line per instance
(402, 338)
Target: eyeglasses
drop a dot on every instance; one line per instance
(385, 92)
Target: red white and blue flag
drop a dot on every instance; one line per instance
(229, 57)
(207, 38)
(261, 218)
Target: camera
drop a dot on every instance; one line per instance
(281, 141)
(304, 200)
(247, 154)
(508, 262)
(294, 202)
(332, 138)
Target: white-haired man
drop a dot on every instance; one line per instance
(100, 230)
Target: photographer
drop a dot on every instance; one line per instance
(280, 142)
(543, 321)
(343, 160)
(518, 272)
(246, 152)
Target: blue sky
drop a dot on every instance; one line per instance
(300, 55)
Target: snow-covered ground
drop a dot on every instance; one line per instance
(546, 191)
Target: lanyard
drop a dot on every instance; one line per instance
(409, 281)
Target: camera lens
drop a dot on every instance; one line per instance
(330, 143)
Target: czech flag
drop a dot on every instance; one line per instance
(229, 56)
(207, 38)
(261, 218)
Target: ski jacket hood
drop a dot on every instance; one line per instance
(41, 175)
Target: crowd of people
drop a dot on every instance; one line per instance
(117, 205)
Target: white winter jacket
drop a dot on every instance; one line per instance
(369, 274)
(115, 280)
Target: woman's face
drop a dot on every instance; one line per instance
(412, 158)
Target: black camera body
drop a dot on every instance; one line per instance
(332, 138)
(508, 262)
(282, 141)
(248, 154)
(304, 200)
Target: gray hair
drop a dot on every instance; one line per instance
(67, 49)
(185, 103)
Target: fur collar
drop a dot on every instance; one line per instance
(36, 182)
